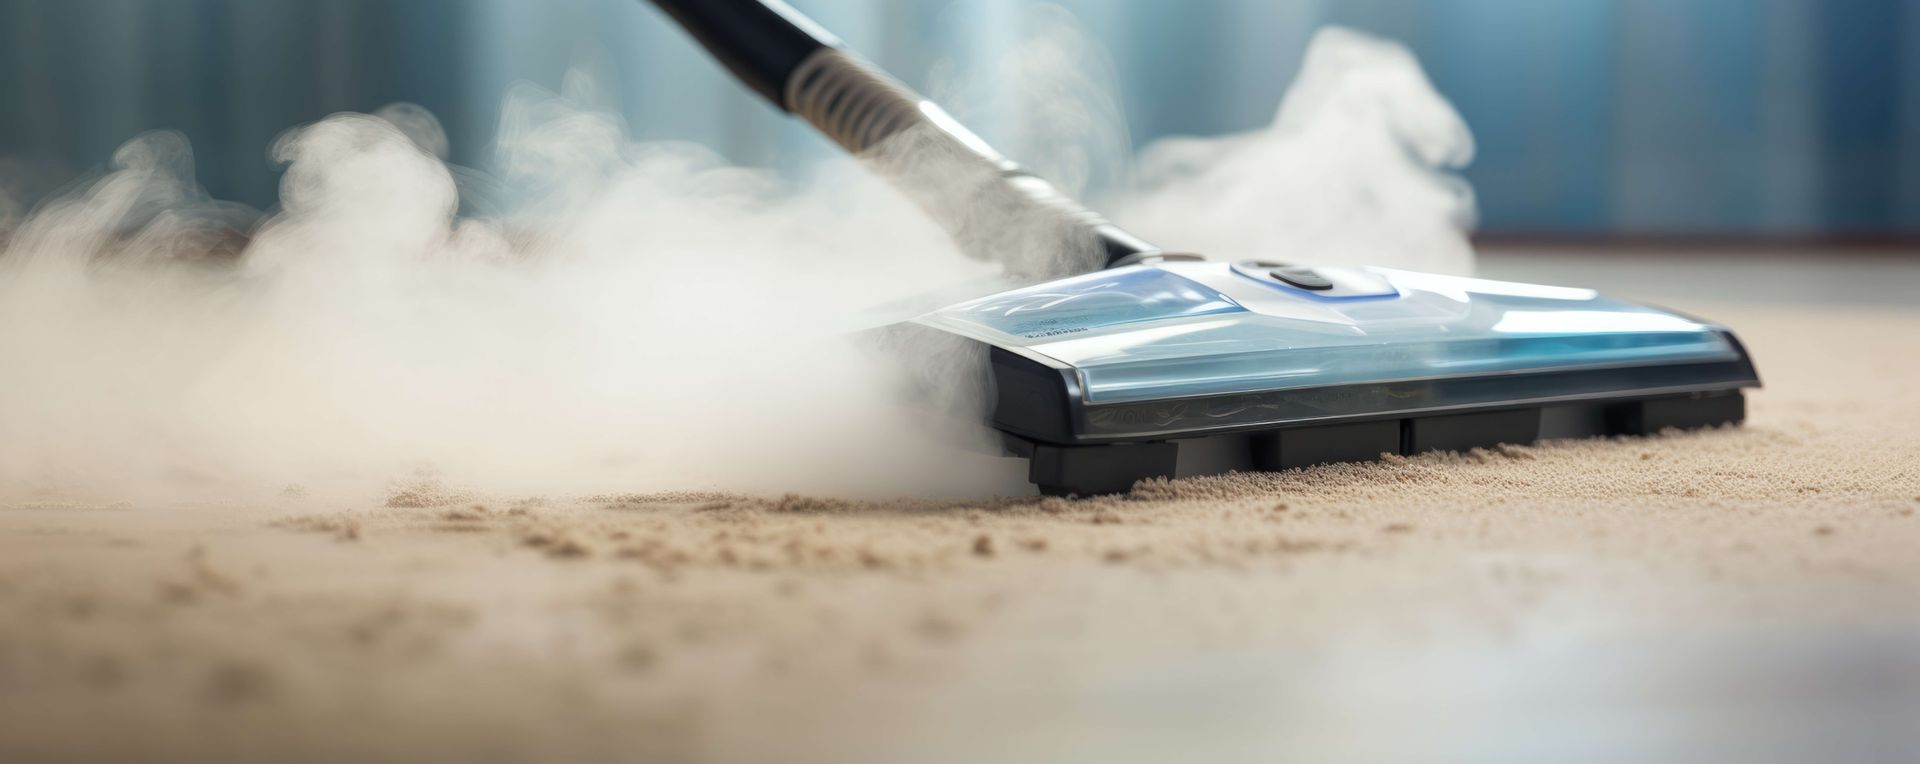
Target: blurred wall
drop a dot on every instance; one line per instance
(1594, 117)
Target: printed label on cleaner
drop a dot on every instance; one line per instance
(1048, 328)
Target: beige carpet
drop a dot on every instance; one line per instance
(1743, 593)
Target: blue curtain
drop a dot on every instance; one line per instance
(1593, 116)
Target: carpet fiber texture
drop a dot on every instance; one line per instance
(1747, 592)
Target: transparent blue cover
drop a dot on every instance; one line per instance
(1179, 330)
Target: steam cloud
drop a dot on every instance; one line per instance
(1354, 170)
(638, 316)
(647, 317)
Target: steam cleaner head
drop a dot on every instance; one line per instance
(1164, 365)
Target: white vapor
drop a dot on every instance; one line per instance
(1355, 170)
(636, 316)
(648, 318)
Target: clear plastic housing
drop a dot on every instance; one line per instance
(1180, 330)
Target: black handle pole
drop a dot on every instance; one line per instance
(761, 42)
(996, 212)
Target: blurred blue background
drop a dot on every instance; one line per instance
(1594, 117)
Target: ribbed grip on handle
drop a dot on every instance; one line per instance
(853, 102)
(991, 206)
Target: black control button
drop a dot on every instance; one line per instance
(1305, 278)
